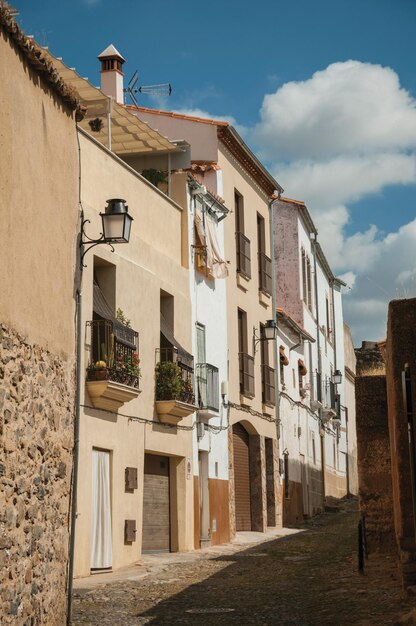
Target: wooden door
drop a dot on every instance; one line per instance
(241, 477)
(156, 505)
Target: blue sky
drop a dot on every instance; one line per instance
(339, 135)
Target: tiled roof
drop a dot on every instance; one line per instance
(291, 201)
(294, 325)
(180, 116)
(36, 59)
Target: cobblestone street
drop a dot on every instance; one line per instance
(304, 578)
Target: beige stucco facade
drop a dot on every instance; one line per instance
(257, 418)
(38, 229)
(149, 264)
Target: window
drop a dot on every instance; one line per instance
(264, 262)
(286, 466)
(313, 448)
(267, 373)
(308, 274)
(242, 242)
(306, 279)
(200, 343)
(246, 362)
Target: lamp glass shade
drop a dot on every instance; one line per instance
(337, 377)
(270, 330)
(116, 222)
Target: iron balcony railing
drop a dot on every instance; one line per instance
(268, 386)
(243, 255)
(208, 387)
(246, 374)
(112, 352)
(184, 382)
(265, 273)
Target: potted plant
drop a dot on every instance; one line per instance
(97, 370)
(169, 383)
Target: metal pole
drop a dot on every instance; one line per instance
(276, 361)
(109, 122)
(318, 345)
(76, 457)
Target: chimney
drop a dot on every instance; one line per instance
(111, 73)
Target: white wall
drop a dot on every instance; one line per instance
(209, 307)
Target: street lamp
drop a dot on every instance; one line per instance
(116, 223)
(269, 333)
(337, 377)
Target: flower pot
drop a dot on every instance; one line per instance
(97, 374)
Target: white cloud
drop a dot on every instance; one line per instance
(349, 107)
(347, 132)
(345, 178)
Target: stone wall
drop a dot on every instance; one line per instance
(400, 356)
(36, 438)
(374, 466)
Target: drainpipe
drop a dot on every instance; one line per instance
(276, 361)
(338, 429)
(274, 305)
(318, 345)
(76, 458)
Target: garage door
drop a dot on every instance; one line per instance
(241, 478)
(156, 510)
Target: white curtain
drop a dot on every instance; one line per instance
(219, 266)
(101, 546)
(213, 260)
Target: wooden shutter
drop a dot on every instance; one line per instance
(241, 477)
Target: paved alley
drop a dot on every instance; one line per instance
(303, 578)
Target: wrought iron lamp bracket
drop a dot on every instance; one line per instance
(86, 243)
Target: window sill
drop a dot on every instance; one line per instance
(265, 299)
(267, 409)
(242, 281)
(245, 400)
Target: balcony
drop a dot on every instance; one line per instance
(113, 373)
(246, 375)
(208, 389)
(265, 274)
(243, 255)
(268, 385)
(175, 397)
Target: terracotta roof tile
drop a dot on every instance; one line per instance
(203, 120)
(291, 201)
(282, 313)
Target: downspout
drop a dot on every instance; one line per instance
(74, 486)
(318, 345)
(338, 429)
(276, 361)
(274, 305)
(76, 457)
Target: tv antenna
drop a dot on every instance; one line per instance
(163, 89)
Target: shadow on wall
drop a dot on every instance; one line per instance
(301, 492)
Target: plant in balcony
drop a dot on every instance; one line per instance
(120, 317)
(129, 364)
(169, 383)
(97, 370)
